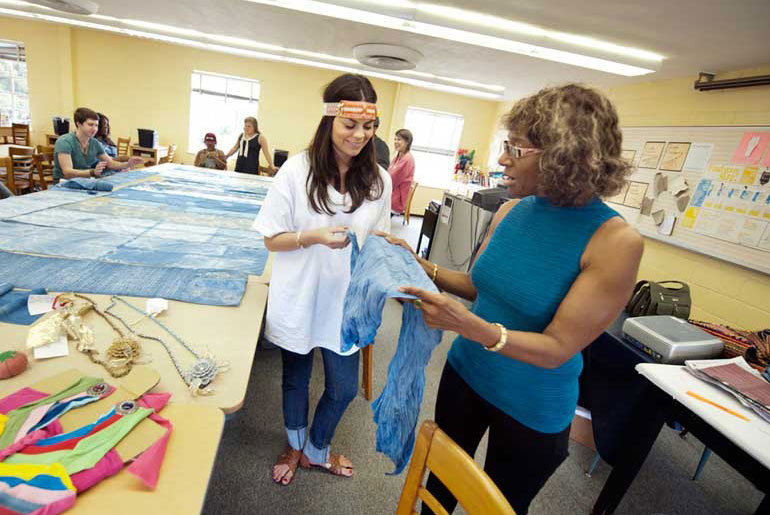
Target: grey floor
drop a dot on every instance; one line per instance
(241, 484)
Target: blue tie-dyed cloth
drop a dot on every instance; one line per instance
(377, 271)
(80, 183)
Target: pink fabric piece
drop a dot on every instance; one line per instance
(110, 464)
(56, 507)
(147, 466)
(34, 494)
(37, 414)
(20, 398)
(401, 172)
(52, 429)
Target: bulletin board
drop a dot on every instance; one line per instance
(715, 182)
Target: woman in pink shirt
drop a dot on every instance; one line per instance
(401, 170)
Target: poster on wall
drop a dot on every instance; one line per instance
(635, 195)
(751, 148)
(628, 155)
(651, 154)
(621, 196)
(674, 157)
(698, 157)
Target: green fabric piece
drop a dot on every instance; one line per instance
(69, 144)
(89, 450)
(17, 417)
(7, 355)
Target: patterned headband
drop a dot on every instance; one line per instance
(351, 109)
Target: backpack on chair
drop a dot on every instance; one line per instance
(651, 298)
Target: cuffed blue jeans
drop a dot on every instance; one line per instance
(340, 387)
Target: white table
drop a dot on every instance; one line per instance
(752, 436)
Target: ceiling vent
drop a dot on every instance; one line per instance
(69, 6)
(387, 57)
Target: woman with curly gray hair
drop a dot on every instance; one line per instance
(557, 267)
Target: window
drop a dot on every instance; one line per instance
(496, 149)
(14, 93)
(218, 104)
(436, 138)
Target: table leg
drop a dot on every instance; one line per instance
(366, 375)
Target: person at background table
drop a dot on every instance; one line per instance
(334, 185)
(103, 136)
(401, 170)
(248, 145)
(80, 154)
(381, 151)
(557, 267)
(211, 156)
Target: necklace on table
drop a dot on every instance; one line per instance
(122, 352)
(203, 370)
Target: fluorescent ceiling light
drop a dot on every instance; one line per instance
(247, 53)
(478, 39)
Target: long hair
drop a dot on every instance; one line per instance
(362, 180)
(102, 133)
(578, 131)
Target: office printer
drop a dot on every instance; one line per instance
(490, 199)
(669, 339)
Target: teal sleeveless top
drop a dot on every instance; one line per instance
(521, 278)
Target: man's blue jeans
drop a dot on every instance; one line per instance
(341, 387)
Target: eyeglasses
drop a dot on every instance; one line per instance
(515, 152)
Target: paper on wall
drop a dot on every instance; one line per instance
(678, 185)
(667, 227)
(658, 216)
(698, 157)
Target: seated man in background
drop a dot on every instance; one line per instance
(211, 157)
(80, 154)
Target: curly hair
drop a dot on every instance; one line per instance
(577, 130)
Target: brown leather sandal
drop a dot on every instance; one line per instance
(334, 466)
(290, 457)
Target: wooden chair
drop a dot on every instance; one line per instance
(123, 146)
(462, 476)
(170, 157)
(44, 149)
(409, 198)
(20, 134)
(44, 166)
(23, 166)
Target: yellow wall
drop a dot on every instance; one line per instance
(721, 292)
(145, 84)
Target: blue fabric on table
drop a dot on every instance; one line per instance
(82, 183)
(378, 270)
(13, 305)
(202, 286)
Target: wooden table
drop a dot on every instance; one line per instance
(230, 333)
(153, 155)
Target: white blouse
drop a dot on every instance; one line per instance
(308, 286)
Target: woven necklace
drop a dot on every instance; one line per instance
(122, 352)
(203, 370)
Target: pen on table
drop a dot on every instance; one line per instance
(707, 401)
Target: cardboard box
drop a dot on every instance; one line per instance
(582, 430)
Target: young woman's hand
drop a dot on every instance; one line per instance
(332, 237)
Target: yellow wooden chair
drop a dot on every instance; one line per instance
(44, 166)
(123, 146)
(20, 134)
(462, 476)
(409, 198)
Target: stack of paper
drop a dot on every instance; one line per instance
(736, 377)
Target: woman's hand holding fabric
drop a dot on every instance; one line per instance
(332, 237)
(440, 311)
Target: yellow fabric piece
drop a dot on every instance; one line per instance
(3, 418)
(27, 471)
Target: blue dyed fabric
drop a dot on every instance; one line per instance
(13, 305)
(201, 286)
(82, 183)
(377, 271)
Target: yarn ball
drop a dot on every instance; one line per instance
(12, 363)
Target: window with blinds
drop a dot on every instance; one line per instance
(218, 104)
(14, 91)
